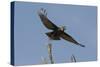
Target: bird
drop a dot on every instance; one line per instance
(57, 33)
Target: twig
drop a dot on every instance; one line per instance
(73, 59)
(44, 60)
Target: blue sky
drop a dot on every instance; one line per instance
(31, 41)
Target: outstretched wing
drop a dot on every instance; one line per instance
(43, 16)
(69, 38)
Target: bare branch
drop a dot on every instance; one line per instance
(50, 53)
(73, 59)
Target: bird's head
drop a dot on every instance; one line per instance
(62, 28)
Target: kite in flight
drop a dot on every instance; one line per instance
(57, 32)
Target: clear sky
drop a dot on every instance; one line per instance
(31, 41)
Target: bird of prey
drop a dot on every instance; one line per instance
(57, 32)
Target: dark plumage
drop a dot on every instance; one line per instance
(57, 32)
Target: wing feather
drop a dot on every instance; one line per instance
(69, 38)
(48, 24)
